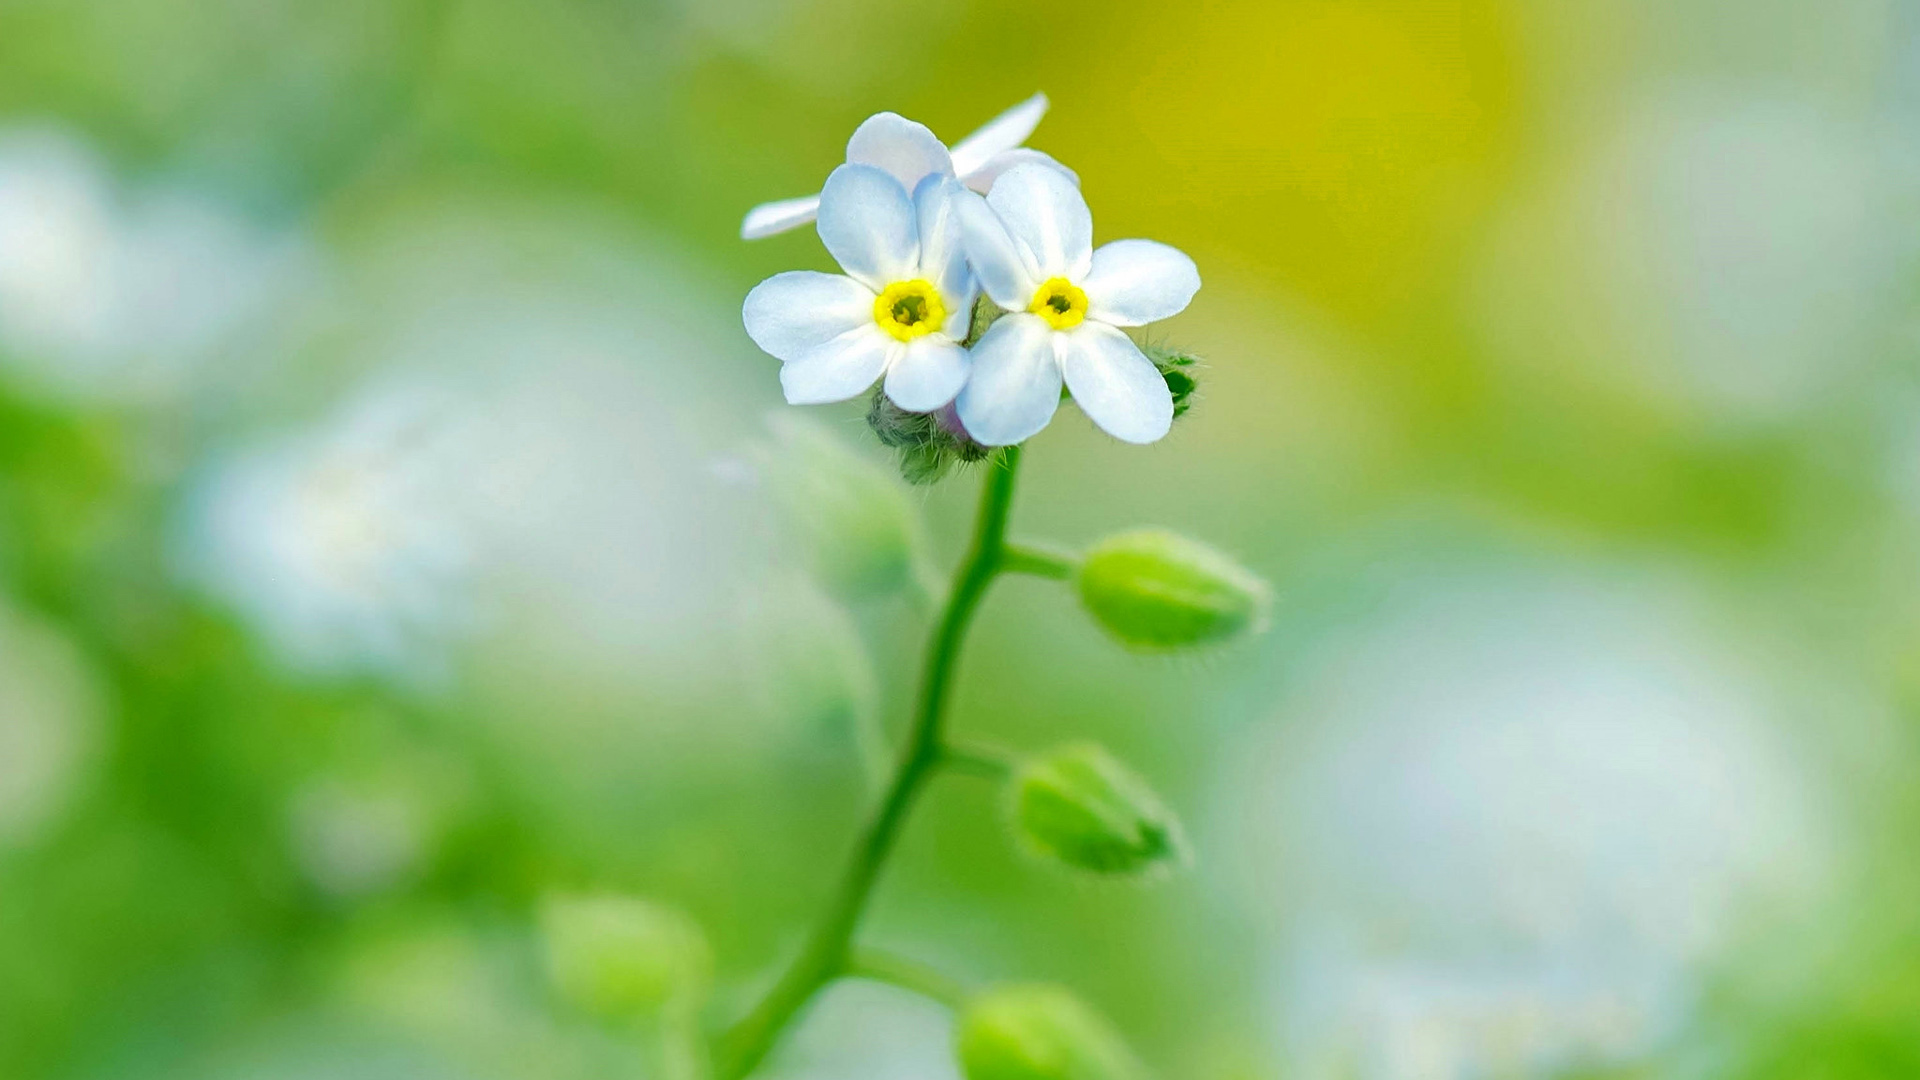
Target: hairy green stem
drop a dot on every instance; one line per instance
(827, 951)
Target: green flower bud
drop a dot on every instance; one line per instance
(803, 666)
(623, 959)
(929, 445)
(1181, 372)
(985, 314)
(1080, 806)
(860, 532)
(1040, 1032)
(1156, 590)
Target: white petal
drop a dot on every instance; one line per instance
(1015, 385)
(900, 146)
(1002, 133)
(792, 314)
(982, 178)
(1134, 282)
(930, 373)
(868, 224)
(1002, 268)
(768, 219)
(943, 257)
(1114, 383)
(839, 369)
(1047, 218)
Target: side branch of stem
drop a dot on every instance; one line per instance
(1029, 558)
(976, 759)
(907, 974)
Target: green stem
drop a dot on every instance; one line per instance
(1039, 561)
(907, 974)
(824, 957)
(974, 759)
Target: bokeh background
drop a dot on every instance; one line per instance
(397, 528)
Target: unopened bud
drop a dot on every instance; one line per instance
(1157, 590)
(802, 663)
(860, 531)
(1180, 370)
(1080, 806)
(929, 445)
(623, 959)
(1040, 1032)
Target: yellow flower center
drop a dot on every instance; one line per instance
(1060, 302)
(909, 309)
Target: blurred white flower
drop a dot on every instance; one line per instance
(1507, 826)
(900, 310)
(505, 468)
(420, 511)
(49, 727)
(911, 153)
(586, 372)
(344, 544)
(353, 839)
(121, 295)
(1031, 244)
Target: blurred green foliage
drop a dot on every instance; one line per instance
(1505, 303)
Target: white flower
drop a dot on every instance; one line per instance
(901, 310)
(1031, 244)
(911, 153)
(344, 545)
(126, 293)
(1518, 823)
(354, 839)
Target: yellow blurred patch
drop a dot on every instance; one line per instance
(1337, 143)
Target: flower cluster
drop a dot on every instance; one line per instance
(925, 236)
(974, 297)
